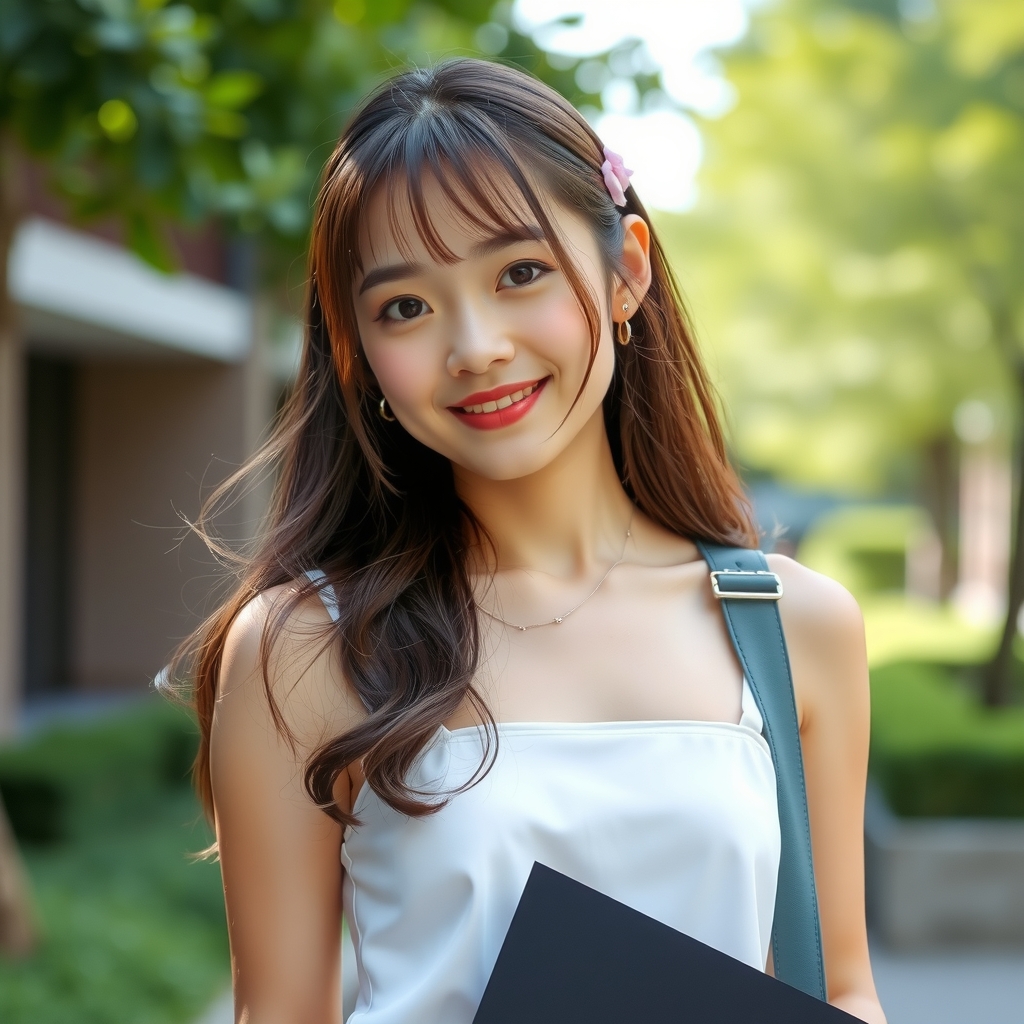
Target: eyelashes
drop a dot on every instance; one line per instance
(407, 308)
(528, 265)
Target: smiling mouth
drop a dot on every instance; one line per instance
(505, 402)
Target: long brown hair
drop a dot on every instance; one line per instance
(358, 498)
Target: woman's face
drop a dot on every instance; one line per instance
(481, 359)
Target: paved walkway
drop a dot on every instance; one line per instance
(964, 987)
(220, 1013)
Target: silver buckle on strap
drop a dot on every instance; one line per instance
(745, 595)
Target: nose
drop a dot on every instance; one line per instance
(477, 343)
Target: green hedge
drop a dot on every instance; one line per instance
(936, 752)
(133, 928)
(50, 783)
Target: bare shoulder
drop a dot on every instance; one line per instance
(825, 636)
(816, 604)
(279, 658)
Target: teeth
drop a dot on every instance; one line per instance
(502, 403)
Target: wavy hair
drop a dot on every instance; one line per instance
(358, 498)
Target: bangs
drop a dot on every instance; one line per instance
(486, 191)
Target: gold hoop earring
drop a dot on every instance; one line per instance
(624, 332)
(385, 413)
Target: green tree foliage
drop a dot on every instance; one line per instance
(162, 111)
(856, 254)
(857, 249)
(154, 111)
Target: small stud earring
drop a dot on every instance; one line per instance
(625, 307)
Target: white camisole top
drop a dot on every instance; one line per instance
(677, 819)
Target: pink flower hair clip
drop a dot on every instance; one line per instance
(616, 176)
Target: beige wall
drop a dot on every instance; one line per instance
(149, 438)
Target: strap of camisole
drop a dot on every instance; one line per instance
(326, 592)
(330, 599)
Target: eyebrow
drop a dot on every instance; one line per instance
(485, 247)
(390, 272)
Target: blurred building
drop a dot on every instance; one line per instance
(125, 395)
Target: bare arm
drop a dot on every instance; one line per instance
(280, 854)
(825, 635)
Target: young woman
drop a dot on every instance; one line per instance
(477, 632)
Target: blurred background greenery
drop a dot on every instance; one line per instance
(132, 926)
(854, 265)
(853, 262)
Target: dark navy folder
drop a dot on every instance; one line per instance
(575, 956)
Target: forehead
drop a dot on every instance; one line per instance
(437, 219)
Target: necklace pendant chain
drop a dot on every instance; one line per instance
(560, 618)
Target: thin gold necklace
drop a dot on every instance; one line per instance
(561, 618)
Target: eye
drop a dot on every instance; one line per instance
(404, 310)
(520, 274)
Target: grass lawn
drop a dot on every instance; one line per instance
(133, 929)
(900, 629)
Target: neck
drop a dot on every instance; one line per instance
(564, 520)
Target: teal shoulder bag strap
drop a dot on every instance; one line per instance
(749, 592)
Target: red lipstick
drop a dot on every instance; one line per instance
(500, 407)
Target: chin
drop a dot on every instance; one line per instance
(514, 466)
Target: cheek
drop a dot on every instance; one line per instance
(405, 373)
(569, 348)
(559, 328)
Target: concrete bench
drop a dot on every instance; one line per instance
(942, 881)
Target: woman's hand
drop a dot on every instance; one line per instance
(825, 635)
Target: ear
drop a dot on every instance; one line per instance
(636, 261)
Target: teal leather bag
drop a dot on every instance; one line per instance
(749, 592)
